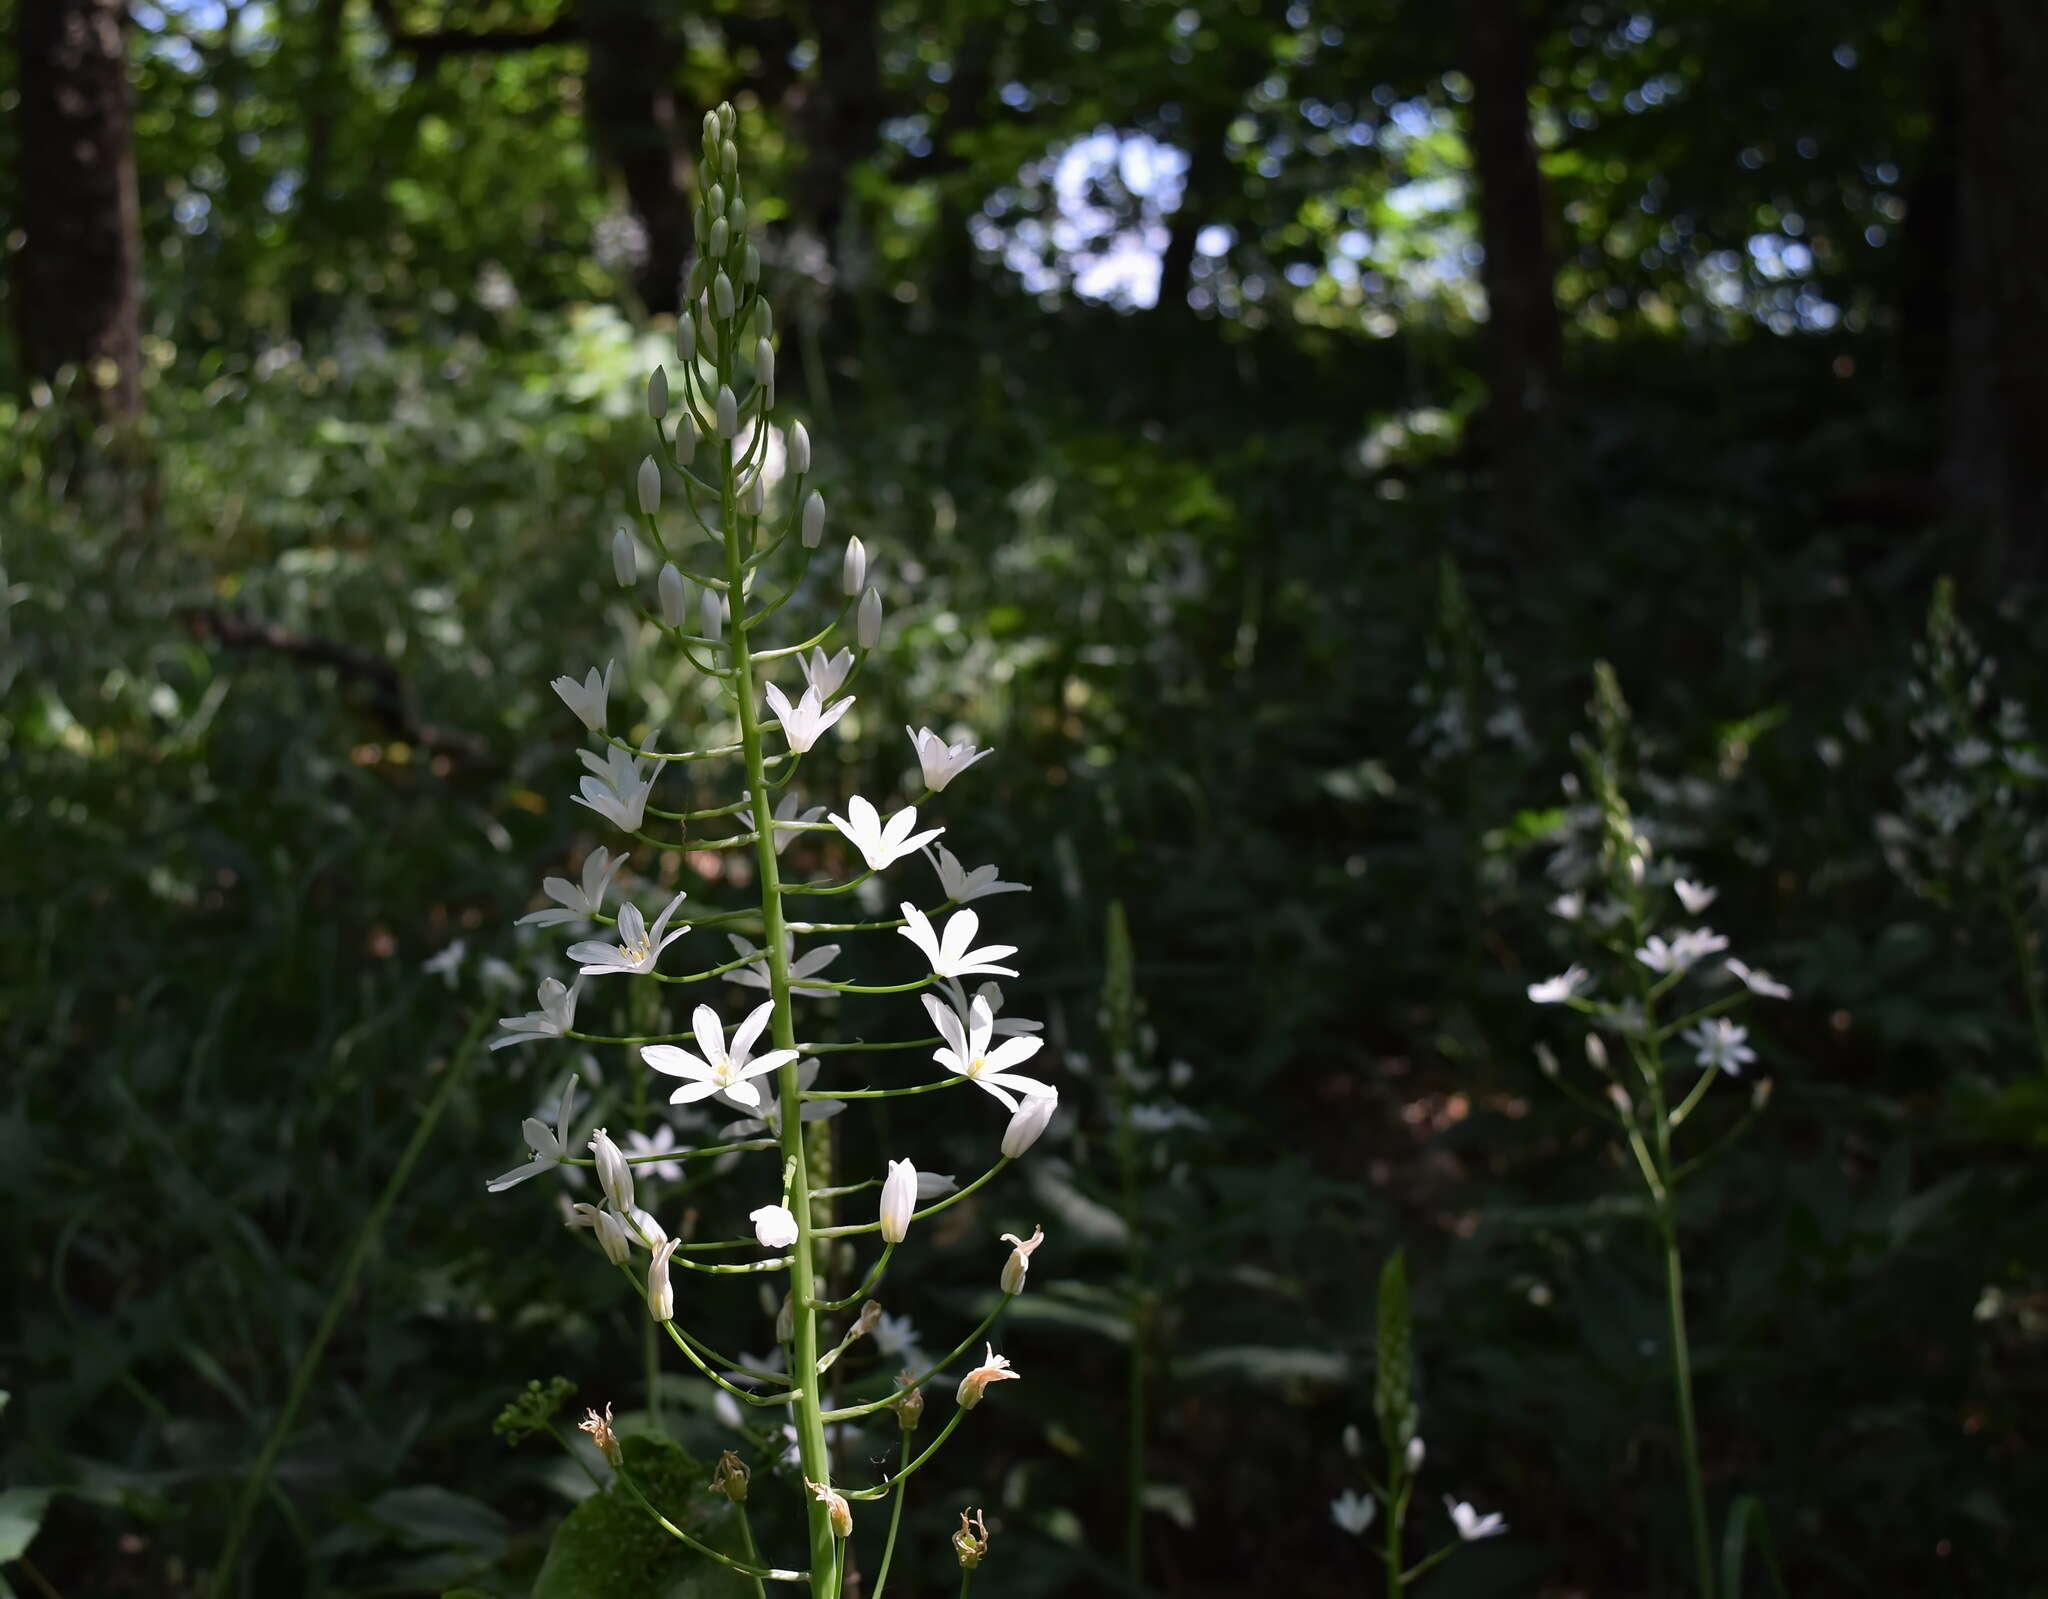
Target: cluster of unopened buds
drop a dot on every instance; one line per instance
(741, 482)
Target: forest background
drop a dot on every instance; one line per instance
(1265, 414)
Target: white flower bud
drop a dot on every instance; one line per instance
(764, 363)
(713, 135)
(764, 320)
(650, 486)
(853, 570)
(737, 216)
(1027, 1122)
(867, 621)
(712, 610)
(754, 496)
(1018, 1266)
(799, 452)
(657, 393)
(613, 1174)
(728, 412)
(625, 559)
(675, 599)
(661, 1298)
(686, 437)
(774, 1226)
(721, 236)
(686, 338)
(814, 520)
(750, 267)
(714, 202)
(1412, 1459)
(707, 328)
(899, 1198)
(729, 155)
(611, 1237)
(721, 289)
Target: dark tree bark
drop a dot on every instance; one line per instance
(632, 119)
(1524, 338)
(78, 273)
(840, 115)
(1997, 465)
(1208, 163)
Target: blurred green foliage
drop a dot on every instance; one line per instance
(1225, 595)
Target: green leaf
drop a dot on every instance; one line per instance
(21, 1518)
(1746, 1523)
(608, 1547)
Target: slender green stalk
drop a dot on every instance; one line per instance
(745, 1568)
(1397, 1522)
(810, 1429)
(747, 1547)
(1681, 1374)
(258, 1480)
(895, 1519)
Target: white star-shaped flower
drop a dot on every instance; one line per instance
(774, 1226)
(550, 1145)
(1685, 951)
(962, 886)
(948, 952)
(557, 1014)
(1556, 990)
(718, 1069)
(805, 722)
(942, 762)
(1762, 984)
(970, 1051)
(446, 964)
(1695, 897)
(643, 1153)
(1720, 1045)
(992, 995)
(809, 964)
(639, 946)
(587, 699)
(617, 788)
(576, 902)
(785, 811)
(825, 673)
(880, 845)
(1353, 1512)
(1471, 1525)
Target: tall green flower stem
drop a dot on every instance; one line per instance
(1120, 1028)
(257, 1482)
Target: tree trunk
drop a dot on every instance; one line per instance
(78, 273)
(840, 115)
(1525, 342)
(1207, 164)
(1997, 464)
(632, 121)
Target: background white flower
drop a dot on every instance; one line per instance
(638, 949)
(1556, 990)
(587, 699)
(557, 1014)
(881, 845)
(576, 902)
(1720, 1045)
(940, 761)
(1353, 1512)
(961, 886)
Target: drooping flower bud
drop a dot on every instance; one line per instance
(686, 338)
(799, 449)
(909, 1406)
(657, 393)
(736, 214)
(970, 1543)
(750, 267)
(754, 496)
(1411, 1460)
(764, 364)
(675, 599)
(867, 621)
(711, 611)
(714, 201)
(685, 438)
(853, 568)
(713, 134)
(1018, 1266)
(899, 1198)
(721, 286)
(763, 318)
(995, 1368)
(731, 1478)
(611, 1237)
(650, 487)
(774, 1226)
(728, 412)
(613, 1174)
(601, 1434)
(720, 237)
(1028, 1121)
(625, 559)
(865, 1323)
(661, 1298)
(837, 1510)
(814, 520)
(729, 157)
